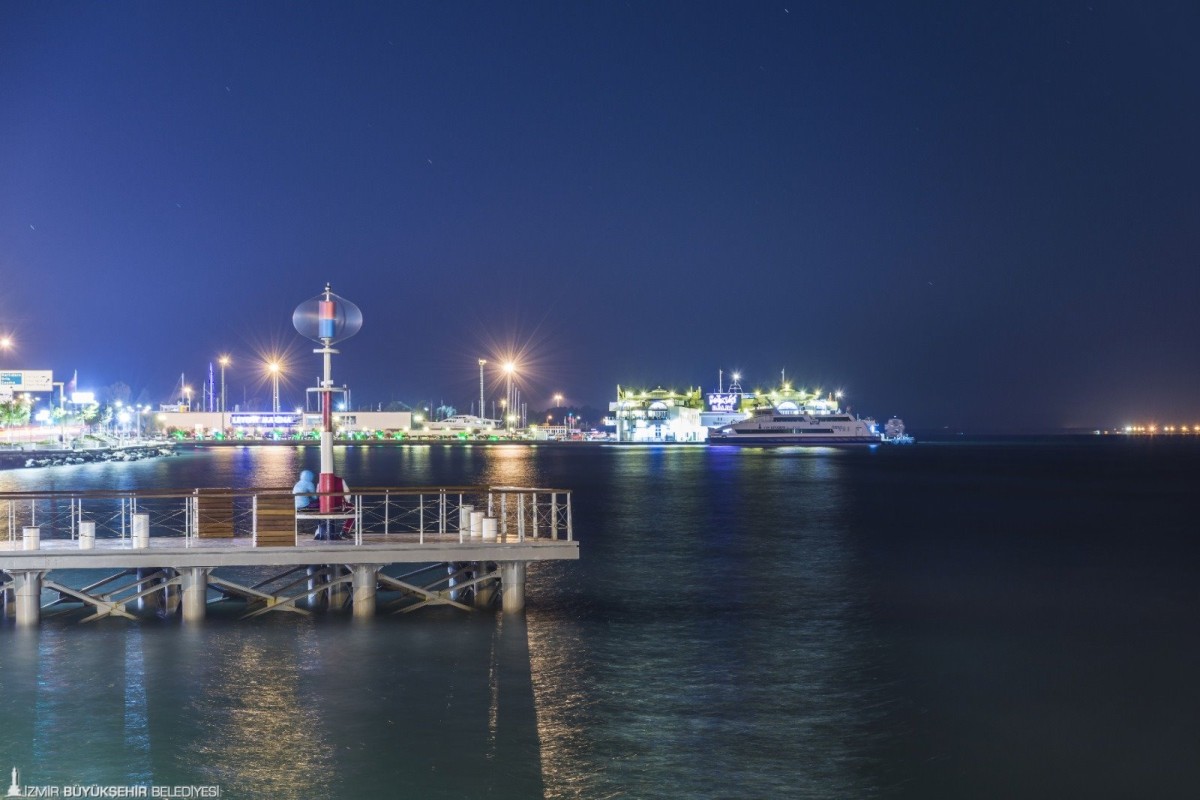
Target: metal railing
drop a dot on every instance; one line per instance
(509, 514)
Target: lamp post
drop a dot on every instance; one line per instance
(509, 368)
(482, 361)
(224, 362)
(273, 368)
(187, 394)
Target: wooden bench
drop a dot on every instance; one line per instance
(214, 514)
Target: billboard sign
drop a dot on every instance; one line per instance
(723, 401)
(28, 380)
(265, 420)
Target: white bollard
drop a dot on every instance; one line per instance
(476, 524)
(33, 538)
(464, 518)
(489, 528)
(141, 531)
(87, 535)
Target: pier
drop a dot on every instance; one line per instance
(169, 553)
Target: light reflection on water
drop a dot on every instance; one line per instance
(923, 622)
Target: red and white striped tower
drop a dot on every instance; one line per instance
(327, 319)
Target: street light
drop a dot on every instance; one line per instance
(558, 401)
(509, 368)
(187, 394)
(482, 361)
(224, 362)
(273, 368)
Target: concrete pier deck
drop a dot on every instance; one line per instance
(171, 551)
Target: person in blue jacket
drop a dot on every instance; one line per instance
(305, 491)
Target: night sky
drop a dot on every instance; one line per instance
(981, 217)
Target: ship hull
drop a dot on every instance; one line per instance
(809, 440)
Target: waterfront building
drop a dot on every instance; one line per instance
(658, 415)
(283, 423)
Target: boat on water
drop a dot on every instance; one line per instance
(893, 432)
(789, 425)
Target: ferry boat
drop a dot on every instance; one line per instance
(787, 424)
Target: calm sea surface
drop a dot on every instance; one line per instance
(962, 619)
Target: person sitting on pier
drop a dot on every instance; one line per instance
(341, 504)
(305, 491)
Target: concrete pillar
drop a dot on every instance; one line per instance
(150, 602)
(27, 593)
(195, 593)
(485, 591)
(31, 538)
(319, 600)
(8, 601)
(365, 582)
(512, 586)
(339, 593)
(171, 596)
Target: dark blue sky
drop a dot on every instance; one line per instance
(982, 217)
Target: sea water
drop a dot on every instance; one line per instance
(1011, 618)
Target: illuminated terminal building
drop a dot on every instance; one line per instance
(207, 424)
(658, 415)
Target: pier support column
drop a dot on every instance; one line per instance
(318, 598)
(195, 593)
(27, 595)
(170, 598)
(339, 593)
(8, 602)
(365, 583)
(150, 602)
(485, 591)
(512, 586)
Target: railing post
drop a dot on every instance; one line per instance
(570, 529)
(254, 520)
(442, 512)
(421, 518)
(504, 514)
(386, 507)
(535, 533)
(520, 517)
(554, 515)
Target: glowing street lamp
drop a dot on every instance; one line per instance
(273, 368)
(558, 401)
(509, 368)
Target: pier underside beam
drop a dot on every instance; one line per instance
(430, 594)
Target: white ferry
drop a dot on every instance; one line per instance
(788, 424)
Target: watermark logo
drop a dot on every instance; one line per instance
(103, 791)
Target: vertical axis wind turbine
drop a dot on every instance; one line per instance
(327, 319)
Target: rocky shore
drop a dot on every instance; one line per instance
(14, 459)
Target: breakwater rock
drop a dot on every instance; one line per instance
(57, 458)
